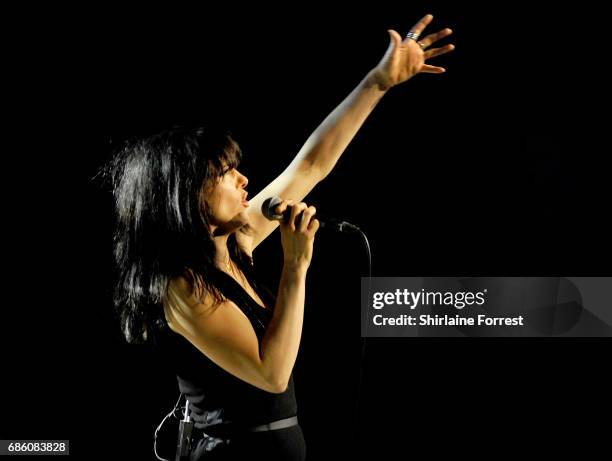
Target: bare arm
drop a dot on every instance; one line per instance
(327, 143)
(318, 155)
(402, 60)
(225, 335)
(281, 343)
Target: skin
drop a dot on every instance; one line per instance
(226, 335)
(406, 58)
(225, 201)
(402, 60)
(229, 212)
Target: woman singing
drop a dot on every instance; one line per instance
(184, 241)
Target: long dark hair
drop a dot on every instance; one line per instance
(162, 223)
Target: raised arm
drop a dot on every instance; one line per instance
(323, 148)
(317, 156)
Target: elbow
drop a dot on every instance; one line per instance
(320, 172)
(312, 169)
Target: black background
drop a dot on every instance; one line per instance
(498, 167)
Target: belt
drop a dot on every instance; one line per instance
(279, 424)
(220, 430)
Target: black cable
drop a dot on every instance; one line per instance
(364, 339)
(162, 423)
(342, 226)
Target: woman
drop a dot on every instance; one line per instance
(183, 246)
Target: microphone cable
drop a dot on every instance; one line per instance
(365, 337)
(172, 413)
(340, 226)
(268, 210)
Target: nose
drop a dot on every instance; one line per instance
(243, 180)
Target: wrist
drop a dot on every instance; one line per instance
(295, 269)
(376, 79)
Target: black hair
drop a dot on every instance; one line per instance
(162, 227)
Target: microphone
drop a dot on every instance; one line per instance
(269, 204)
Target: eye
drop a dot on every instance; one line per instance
(226, 170)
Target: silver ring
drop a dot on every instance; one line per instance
(413, 35)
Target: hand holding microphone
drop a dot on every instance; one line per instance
(298, 229)
(276, 209)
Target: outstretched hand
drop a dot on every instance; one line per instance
(406, 58)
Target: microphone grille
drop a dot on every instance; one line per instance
(268, 206)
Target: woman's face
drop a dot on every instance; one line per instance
(227, 203)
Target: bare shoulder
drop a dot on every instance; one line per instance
(201, 317)
(187, 299)
(220, 331)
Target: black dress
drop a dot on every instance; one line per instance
(221, 404)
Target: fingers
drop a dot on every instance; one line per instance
(301, 216)
(438, 51)
(314, 225)
(432, 69)
(432, 38)
(306, 217)
(294, 221)
(420, 26)
(395, 38)
(281, 207)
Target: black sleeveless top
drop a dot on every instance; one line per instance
(215, 396)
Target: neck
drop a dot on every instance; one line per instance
(222, 257)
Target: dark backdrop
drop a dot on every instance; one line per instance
(497, 167)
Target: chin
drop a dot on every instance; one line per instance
(238, 221)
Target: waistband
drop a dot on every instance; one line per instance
(223, 430)
(278, 424)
